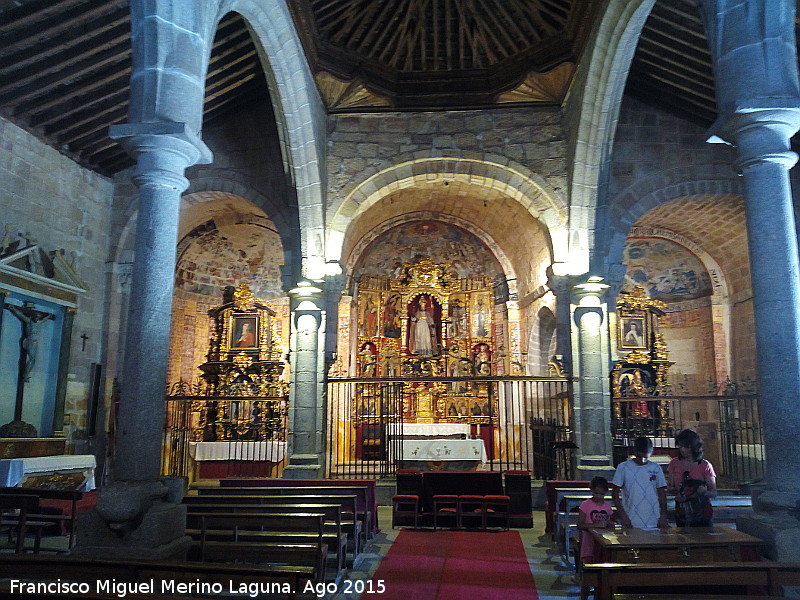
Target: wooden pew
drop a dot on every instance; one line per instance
(351, 524)
(334, 533)
(44, 495)
(275, 538)
(369, 485)
(322, 494)
(735, 578)
(290, 579)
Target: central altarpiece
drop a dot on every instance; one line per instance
(421, 324)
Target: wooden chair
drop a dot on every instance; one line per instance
(497, 508)
(470, 511)
(405, 506)
(16, 510)
(406, 501)
(445, 506)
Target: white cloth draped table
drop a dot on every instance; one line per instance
(439, 450)
(251, 451)
(13, 470)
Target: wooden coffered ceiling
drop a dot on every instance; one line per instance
(65, 65)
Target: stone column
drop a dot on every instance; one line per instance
(307, 392)
(591, 367)
(140, 516)
(755, 63)
(163, 151)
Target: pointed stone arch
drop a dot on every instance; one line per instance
(594, 107)
(299, 112)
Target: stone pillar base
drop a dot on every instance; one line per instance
(134, 520)
(303, 466)
(594, 466)
(775, 520)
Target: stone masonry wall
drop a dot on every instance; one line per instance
(363, 144)
(62, 205)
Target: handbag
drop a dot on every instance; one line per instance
(692, 509)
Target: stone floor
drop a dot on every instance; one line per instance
(553, 579)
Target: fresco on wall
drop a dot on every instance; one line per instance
(209, 260)
(666, 270)
(442, 242)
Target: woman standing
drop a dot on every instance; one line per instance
(693, 481)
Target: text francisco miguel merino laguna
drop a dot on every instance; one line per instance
(166, 586)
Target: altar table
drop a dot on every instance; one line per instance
(431, 429)
(13, 471)
(436, 450)
(269, 451)
(218, 460)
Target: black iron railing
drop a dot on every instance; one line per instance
(520, 420)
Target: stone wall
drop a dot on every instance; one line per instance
(60, 204)
(360, 145)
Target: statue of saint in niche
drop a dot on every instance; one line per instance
(422, 338)
(457, 328)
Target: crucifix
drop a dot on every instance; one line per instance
(84, 337)
(28, 317)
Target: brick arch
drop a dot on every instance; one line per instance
(299, 112)
(495, 172)
(647, 193)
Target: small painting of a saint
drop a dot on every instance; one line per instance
(244, 332)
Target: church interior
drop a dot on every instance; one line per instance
(349, 240)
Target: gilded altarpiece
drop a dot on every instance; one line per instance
(426, 339)
(243, 394)
(639, 377)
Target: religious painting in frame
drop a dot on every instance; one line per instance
(245, 331)
(632, 332)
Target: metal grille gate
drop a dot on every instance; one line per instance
(528, 424)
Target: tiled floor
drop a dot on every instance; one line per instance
(553, 579)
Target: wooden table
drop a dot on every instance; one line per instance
(691, 544)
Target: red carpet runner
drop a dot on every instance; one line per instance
(456, 565)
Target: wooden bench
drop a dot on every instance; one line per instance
(368, 485)
(335, 534)
(274, 538)
(289, 578)
(365, 489)
(351, 523)
(20, 516)
(321, 494)
(735, 578)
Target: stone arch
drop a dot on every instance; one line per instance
(287, 227)
(594, 108)
(647, 193)
(299, 112)
(495, 172)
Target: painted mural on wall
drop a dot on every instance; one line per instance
(208, 260)
(666, 270)
(442, 242)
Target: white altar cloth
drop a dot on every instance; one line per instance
(270, 451)
(432, 429)
(436, 450)
(13, 470)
